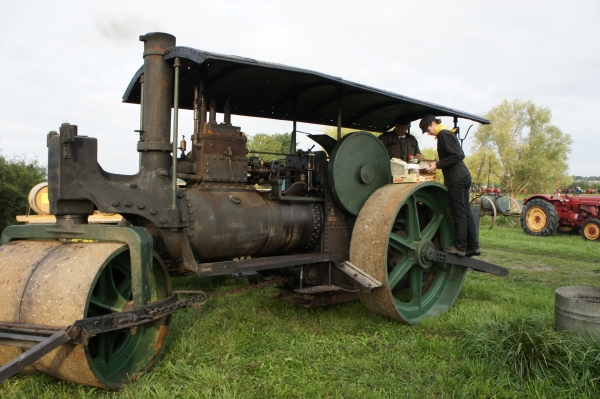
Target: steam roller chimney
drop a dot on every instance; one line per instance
(158, 100)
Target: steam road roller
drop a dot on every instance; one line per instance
(91, 303)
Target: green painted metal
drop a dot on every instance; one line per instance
(138, 239)
(118, 356)
(359, 165)
(422, 224)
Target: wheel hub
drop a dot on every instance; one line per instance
(536, 219)
(591, 232)
(425, 253)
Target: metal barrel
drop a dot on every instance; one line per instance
(501, 202)
(577, 309)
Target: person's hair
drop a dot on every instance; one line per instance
(427, 120)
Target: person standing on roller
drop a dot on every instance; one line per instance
(401, 144)
(458, 181)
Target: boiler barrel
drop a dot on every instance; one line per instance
(229, 224)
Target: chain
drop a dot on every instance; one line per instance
(200, 299)
(191, 302)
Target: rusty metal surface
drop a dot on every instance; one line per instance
(227, 223)
(18, 260)
(271, 262)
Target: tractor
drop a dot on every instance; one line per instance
(545, 215)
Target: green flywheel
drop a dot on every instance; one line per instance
(358, 166)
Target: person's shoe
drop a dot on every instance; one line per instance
(452, 250)
(473, 252)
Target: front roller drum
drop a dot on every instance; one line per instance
(393, 240)
(52, 283)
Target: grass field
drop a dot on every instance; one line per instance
(496, 342)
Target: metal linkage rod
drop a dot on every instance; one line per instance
(177, 64)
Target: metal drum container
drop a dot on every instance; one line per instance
(502, 203)
(577, 309)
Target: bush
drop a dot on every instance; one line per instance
(530, 349)
(17, 176)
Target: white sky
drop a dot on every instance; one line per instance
(72, 60)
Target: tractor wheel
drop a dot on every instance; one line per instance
(52, 283)
(590, 230)
(539, 218)
(393, 231)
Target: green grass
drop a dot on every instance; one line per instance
(497, 341)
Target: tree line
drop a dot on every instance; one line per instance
(17, 176)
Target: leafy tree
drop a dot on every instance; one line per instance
(17, 177)
(530, 151)
(581, 183)
(276, 143)
(483, 165)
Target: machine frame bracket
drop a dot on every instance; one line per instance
(365, 281)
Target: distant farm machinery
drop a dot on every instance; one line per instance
(497, 206)
(545, 215)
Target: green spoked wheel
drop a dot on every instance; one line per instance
(119, 355)
(64, 282)
(394, 238)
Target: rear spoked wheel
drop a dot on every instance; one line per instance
(394, 240)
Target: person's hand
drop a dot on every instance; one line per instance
(432, 168)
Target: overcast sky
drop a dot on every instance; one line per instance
(72, 60)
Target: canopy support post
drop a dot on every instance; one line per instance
(339, 115)
(293, 140)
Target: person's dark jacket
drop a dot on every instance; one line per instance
(400, 147)
(451, 157)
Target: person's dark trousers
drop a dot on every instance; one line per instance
(465, 231)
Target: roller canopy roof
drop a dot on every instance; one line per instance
(269, 90)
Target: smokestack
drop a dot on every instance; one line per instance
(158, 100)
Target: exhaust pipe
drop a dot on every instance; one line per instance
(158, 99)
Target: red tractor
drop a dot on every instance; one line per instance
(544, 215)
